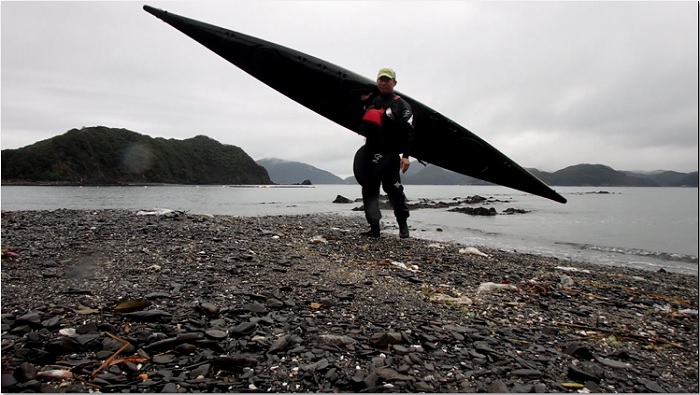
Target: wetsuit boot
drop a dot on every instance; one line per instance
(372, 212)
(403, 228)
(373, 230)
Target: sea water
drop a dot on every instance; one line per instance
(650, 228)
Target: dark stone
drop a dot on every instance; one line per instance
(480, 211)
(216, 334)
(48, 264)
(157, 295)
(550, 331)
(586, 372)
(85, 340)
(483, 347)
(613, 364)
(209, 309)
(8, 381)
(189, 337)
(62, 345)
(593, 387)
(243, 329)
(497, 387)
(185, 348)
(579, 350)
(370, 380)
(29, 386)
(52, 322)
(256, 307)
(342, 199)
(510, 211)
(281, 344)
(234, 361)
(318, 365)
(399, 349)
(383, 340)
(33, 318)
(273, 303)
(149, 316)
(201, 370)
(163, 359)
(25, 372)
(533, 373)
(389, 374)
(87, 328)
(522, 388)
(162, 345)
(652, 386)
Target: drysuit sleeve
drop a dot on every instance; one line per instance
(359, 108)
(406, 116)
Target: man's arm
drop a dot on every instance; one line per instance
(407, 123)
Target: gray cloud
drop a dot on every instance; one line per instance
(550, 84)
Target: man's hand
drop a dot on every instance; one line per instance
(405, 163)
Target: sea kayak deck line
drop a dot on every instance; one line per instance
(309, 81)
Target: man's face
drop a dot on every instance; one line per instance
(385, 84)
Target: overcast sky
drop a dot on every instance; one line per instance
(549, 84)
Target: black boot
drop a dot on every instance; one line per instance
(403, 229)
(373, 230)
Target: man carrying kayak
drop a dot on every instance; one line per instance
(387, 124)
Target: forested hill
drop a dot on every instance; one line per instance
(102, 156)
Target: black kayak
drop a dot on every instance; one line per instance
(311, 81)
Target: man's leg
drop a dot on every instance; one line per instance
(370, 198)
(391, 183)
(364, 169)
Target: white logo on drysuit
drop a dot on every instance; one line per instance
(377, 157)
(397, 185)
(406, 113)
(389, 113)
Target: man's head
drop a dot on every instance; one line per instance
(386, 80)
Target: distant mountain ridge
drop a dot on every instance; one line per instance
(602, 175)
(289, 172)
(101, 155)
(285, 172)
(669, 178)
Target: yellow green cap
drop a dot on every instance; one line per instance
(386, 72)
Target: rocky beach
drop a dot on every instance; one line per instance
(165, 301)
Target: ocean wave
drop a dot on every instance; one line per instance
(665, 256)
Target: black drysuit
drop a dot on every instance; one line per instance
(387, 124)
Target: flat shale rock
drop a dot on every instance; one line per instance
(306, 304)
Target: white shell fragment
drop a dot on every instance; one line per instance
(472, 251)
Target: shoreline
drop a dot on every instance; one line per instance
(674, 255)
(303, 303)
(77, 184)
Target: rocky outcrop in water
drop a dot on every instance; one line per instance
(459, 205)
